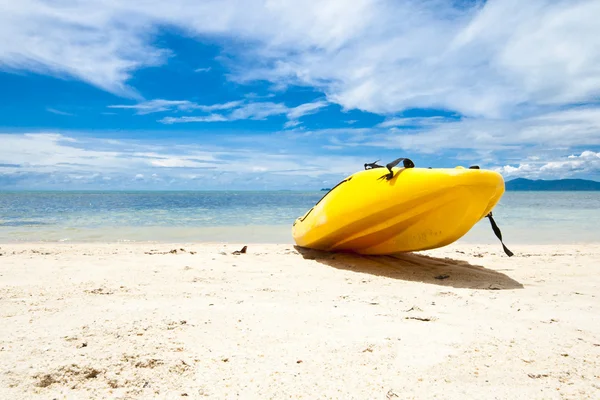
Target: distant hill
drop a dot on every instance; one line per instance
(558, 184)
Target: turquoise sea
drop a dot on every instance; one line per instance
(523, 217)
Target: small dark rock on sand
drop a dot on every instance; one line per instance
(242, 251)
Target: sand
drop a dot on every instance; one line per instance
(165, 321)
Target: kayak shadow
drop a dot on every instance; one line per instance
(416, 268)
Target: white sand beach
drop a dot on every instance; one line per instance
(165, 321)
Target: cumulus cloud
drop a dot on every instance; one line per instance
(511, 71)
(56, 160)
(477, 58)
(571, 128)
(588, 163)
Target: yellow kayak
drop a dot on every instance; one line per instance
(400, 209)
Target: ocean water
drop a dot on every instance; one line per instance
(250, 217)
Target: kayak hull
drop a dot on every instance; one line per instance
(417, 209)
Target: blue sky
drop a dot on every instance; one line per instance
(293, 94)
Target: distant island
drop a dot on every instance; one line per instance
(523, 184)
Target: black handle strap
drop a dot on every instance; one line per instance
(372, 165)
(498, 234)
(406, 162)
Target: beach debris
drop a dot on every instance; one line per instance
(390, 394)
(46, 381)
(226, 359)
(552, 320)
(174, 324)
(242, 251)
(99, 291)
(155, 252)
(43, 253)
(424, 319)
(67, 375)
(446, 294)
(299, 362)
(413, 308)
(442, 276)
(537, 376)
(149, 363)
(179, 368)
(368, 349)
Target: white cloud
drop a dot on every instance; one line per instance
(54, 160)
(258, 111)
(179, 162)
(161, 105)
(58, 112)
(98, 44)
(59, 161)
(251, 110)
(202, 69)
(158, 105)
(267, 109)
(487, 60)
(222, 106)
(514, 69)
(568, 129)
(206, 118)
(587, 163)
(421, 121)
(306, 109)
(291, 123)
